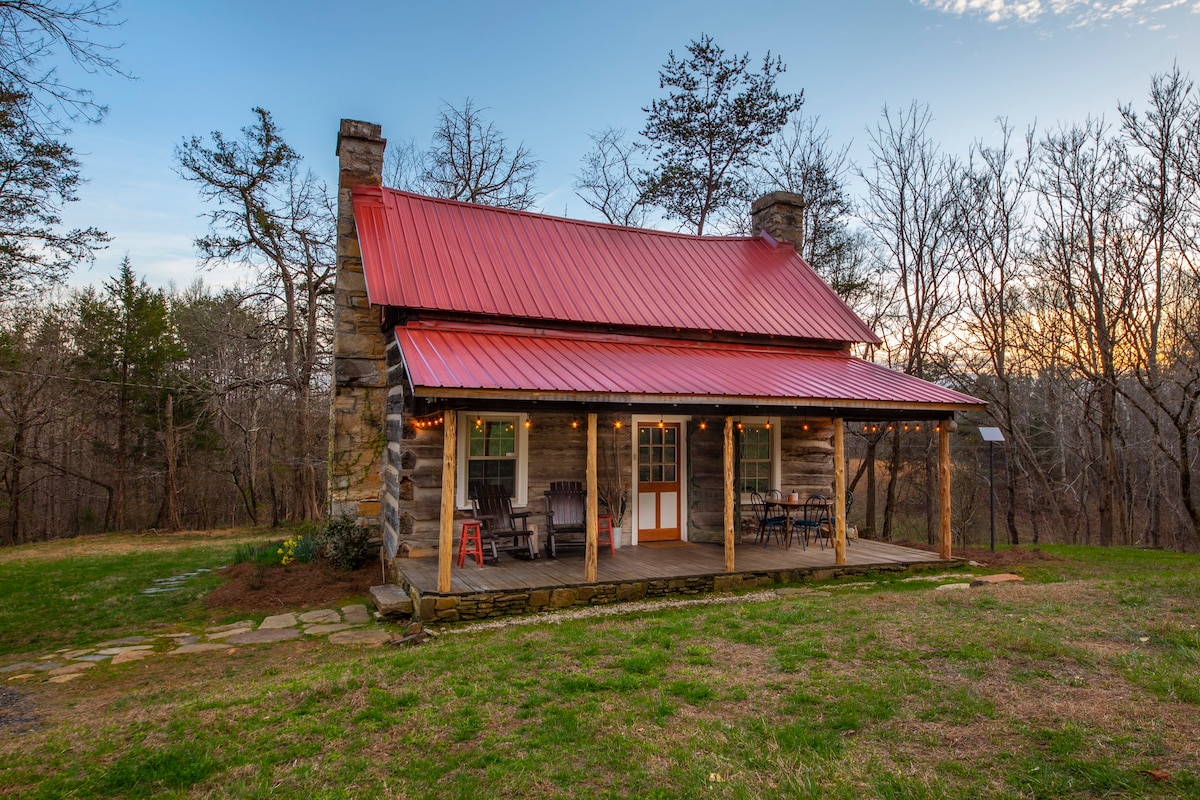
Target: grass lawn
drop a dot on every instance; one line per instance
(1077, 683)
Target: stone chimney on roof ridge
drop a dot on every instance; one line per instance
(781, 215)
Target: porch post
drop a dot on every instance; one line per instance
(446, 519)
(729, 495)
(839, 490)
(593, 506)
(944, 488)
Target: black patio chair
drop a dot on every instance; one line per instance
(814, 514)
(766, 522)
(566, 516)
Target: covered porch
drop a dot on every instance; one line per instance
(644, 571)
(528, 408)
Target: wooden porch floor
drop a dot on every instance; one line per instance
(645, 563)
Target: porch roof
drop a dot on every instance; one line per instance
(445, 360)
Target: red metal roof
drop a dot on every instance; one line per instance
(424, 253)
(441, 357)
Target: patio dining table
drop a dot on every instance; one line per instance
(825, 503)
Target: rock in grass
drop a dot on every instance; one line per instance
(263, 635)
(1004, 577)
(278, 621)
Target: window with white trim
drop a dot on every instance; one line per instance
(758, 456)
(492, 449)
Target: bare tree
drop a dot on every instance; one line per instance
(800, 159)
(992, 198)
(469, 159)
(1091, 282)
(909, 212)
(612, 179)
(1164, 185)
(30, 35)
(271, 216)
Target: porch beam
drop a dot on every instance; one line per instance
(839, 490)
(446, 519)
(944, 489)
(593, 505)
(727, 450)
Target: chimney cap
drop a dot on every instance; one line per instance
(357, 129)
(777, 198)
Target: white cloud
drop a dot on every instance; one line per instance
(1076, 13)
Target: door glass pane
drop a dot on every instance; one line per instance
(644, 472)
(669, 473)
(644, 436)
(669, 435)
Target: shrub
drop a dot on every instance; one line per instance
(346, 543)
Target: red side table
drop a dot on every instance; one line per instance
(472, 538)
(604, 533)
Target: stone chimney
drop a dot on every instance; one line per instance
(356, 432)
(781, 215)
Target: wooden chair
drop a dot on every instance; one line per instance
(566, 516)
(503, 530)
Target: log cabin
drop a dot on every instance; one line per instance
(673, 375)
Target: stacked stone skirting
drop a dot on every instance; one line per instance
(431, 607)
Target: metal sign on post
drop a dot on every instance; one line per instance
(991, 436)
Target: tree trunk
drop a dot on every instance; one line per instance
(889, 508)
(1014, 537)
(170, 492)
(872, 444)
(931, 518)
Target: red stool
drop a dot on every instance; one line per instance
(604, 533)
(471, 537)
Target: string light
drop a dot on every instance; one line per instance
(428, 422)
(703, 425)
(528, 424)
(617, 424)
(768, 426)
(805, 425)
(574, 423)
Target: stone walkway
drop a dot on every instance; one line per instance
(351, 625)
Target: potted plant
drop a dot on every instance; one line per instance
(612, 493)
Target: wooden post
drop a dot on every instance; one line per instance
(593, 505)
(944, 487)
(839, 491)
(729, 495)
(449, 470)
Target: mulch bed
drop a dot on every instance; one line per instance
(275, 589)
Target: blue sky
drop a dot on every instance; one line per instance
(552, 72)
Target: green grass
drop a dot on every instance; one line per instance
(49, 603)
(1045, 690)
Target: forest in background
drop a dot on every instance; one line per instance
(1052, 273)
